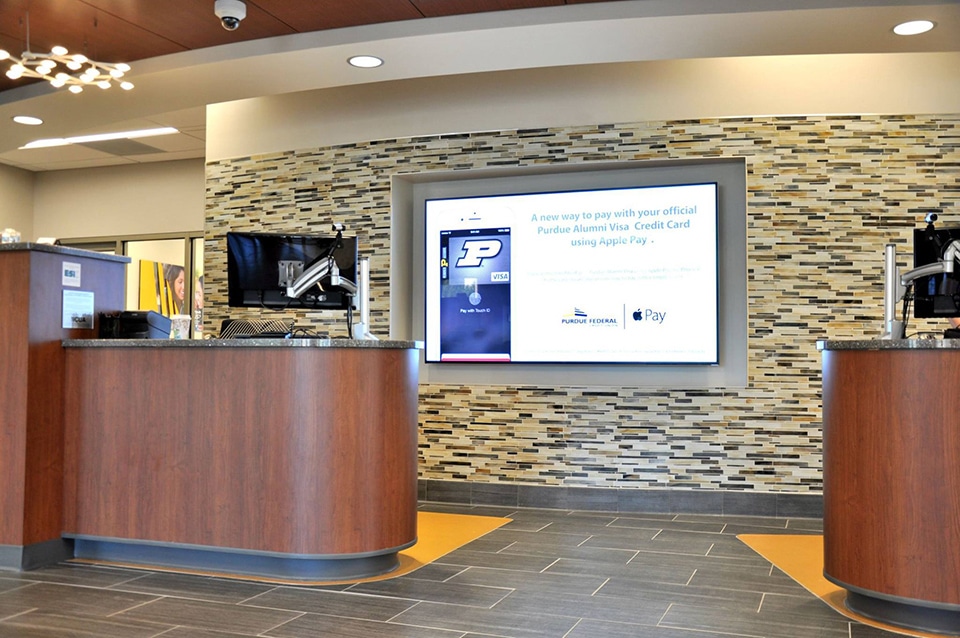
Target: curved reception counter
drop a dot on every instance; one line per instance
(291, 459)
(891, 456)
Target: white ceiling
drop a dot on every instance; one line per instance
(173, 90)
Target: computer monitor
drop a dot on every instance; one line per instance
(935, 295)
(262, 266)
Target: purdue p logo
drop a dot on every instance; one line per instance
(476, 250)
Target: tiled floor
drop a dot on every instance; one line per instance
(547, 574)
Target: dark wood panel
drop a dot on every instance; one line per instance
(14, 318)
(31, 384)
(434, 8)
(335, 14)
(891, 477)
(295, 450)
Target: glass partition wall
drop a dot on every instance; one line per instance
(165, 273)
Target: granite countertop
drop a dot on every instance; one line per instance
(241, 343)
(889, 344)
(62, 250)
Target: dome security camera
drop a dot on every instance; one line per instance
(230, 12)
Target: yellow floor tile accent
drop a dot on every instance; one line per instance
(800, 556)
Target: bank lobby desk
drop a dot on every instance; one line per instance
(891, 479)
(286, 458)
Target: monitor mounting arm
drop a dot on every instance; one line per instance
(895, 284)
(325, 267)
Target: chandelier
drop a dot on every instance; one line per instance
(60, 68)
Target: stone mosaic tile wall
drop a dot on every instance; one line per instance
(825, 195)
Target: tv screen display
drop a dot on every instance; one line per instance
(936, 295)
(259, 267)
(613, 275)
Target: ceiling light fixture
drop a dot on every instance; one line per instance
(365, 61)
(29, 120)
(100, 137)
(914, 27)
(44, 66)
(60, 68)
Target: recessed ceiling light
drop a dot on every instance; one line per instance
(913, 27)
(29, 120)
(82, 139)
(365, 61)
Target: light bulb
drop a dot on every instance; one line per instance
(116, 73)
(57, 82)
(123, 66)
(4, 54)
(58, 50)
(15, 71)
(104, 84)
(79, 58)
(126, 86)
(73, 65)
(75, 88)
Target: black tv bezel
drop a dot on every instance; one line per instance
(928, 246)
(291, 246)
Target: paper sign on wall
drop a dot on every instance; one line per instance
(77, 309)
(71, 274)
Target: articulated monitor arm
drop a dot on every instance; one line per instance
(895, 284)
(322, 269)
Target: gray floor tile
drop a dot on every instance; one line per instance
(546, 582)
(467, 557)
(220, 590)
(589, 628)
(70, 599)
(215, 616)
(452, 593)
(528, 624)
(596, 554)
(347, 604)
(652, 571)
(314, 626)
(757, 624)
(621, 609)
(48, 624)
(547, 573)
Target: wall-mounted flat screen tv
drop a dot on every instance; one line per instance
(935, 295)
(260, 267)
(614, 275)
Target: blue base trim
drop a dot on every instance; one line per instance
(238, 562)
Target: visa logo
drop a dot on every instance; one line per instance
(500, 276)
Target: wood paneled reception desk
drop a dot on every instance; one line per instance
(286, 458)
(891, 479)
(47, 294)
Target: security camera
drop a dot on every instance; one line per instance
(230, 12)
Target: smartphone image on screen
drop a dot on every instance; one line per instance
(475, 294)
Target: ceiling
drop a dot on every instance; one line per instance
(183, 59)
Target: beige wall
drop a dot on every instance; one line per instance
(122, 200)
(570, 96)
(16, 201)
